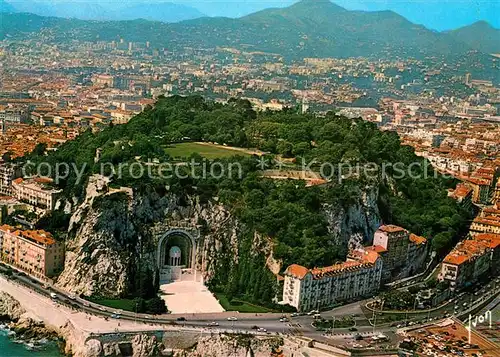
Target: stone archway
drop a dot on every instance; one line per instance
(176, 255)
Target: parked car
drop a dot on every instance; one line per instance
(232, 318)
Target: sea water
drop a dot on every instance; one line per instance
(10, 346)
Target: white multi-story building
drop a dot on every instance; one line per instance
(35, 192)
(308, 289)
(8, 172)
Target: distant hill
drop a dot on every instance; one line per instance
(166, 11)
(309, 28)
(321, 28)
(480, 36)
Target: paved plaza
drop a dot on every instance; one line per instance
(189, 297)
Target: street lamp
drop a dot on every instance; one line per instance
(375, 318)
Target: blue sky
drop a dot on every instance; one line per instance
(435, 14)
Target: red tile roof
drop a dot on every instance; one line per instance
(417, 239)
(297, 271)
(377, 248)
(390, 228)
(467, 250)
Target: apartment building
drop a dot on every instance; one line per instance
(402, 252)
(463, 195)
(485, 224)
(8, 172)
(13, 115)
(470, 259)
(308, 289)
(36, 192)
(496, 194)
(35, 252)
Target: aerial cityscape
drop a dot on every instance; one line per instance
(292, 178)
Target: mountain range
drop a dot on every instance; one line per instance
(309, 28)
(160, 11)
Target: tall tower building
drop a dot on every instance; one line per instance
(467, 79)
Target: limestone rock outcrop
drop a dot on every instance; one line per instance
(234, 346)
(10, 309)
(113, 231)
(355, 224)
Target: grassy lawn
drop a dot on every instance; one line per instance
(119, 304)
(240, 306)
(184, 150)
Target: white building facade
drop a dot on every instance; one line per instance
(310, 289)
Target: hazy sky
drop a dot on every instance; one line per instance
(435, 14)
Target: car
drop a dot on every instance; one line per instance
(213, 323)
(72, 297)
(465, 304)
(399, 326)
(283, 319)
(261, 329)
(101, 308)
(53, 295)
(115, 316)
(86, 304)
(295, 314)
(353, 329)
(147, 317)
(232, 318)
(181, 319)
(255, 327)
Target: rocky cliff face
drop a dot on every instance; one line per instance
(217, 345)
(96, 260)
(10, 309)
(25, 325)
(234, 345)
(114, 230)
(355, 224)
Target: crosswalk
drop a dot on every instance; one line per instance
(295, 329)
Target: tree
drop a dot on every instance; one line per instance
(157, 280)
(442, 241)
(156, 306)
